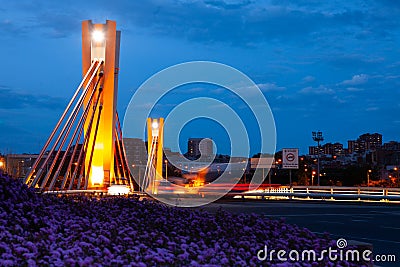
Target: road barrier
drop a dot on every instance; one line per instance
(324, 193)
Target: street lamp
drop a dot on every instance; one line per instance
(312, 177)
(166, 169)
(317, 137)
(368, 173)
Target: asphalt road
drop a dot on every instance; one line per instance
(378, 224)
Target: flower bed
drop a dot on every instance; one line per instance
(38, 230)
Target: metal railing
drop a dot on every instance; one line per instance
(324, 193)
(328, 193)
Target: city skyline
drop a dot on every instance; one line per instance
(322, 66)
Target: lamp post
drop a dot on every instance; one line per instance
(312, 177)
(317, 137)
(138, 177)
(166, 169)
(368, 174)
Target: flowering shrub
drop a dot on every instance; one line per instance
(42, 230)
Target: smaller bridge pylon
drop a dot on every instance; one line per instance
(153, 172)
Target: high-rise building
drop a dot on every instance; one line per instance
(372, 141)
(365, 142)
(313, 150)
(335, 149)
(392, 145)
(200, 146)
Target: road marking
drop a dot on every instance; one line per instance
(395, 213)
(390, 227)
(363, 216)
(307, 214)
(330, 222)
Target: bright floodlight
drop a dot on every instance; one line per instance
(98, 36)
(118, 189)
(154, 125)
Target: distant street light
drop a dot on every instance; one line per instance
(312, 177)
(166, 169)
(368, 173)
(317, 137)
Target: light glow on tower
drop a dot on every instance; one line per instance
(97, 175)
(98, 36)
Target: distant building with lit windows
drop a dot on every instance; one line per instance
(200, 146)
(18, 165)
(335, 149)
(365, 142)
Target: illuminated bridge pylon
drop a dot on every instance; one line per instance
(85, 149)
(153, 172)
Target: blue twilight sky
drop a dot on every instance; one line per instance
(332, 66)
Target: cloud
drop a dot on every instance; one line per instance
(269, 87)
(357, 80)
(352, 61)
(390, 77)
(354, 89)
(225, 5)
(11, 99)
(238, 23)
(321, 90)
(9, 27)
(372, 109)
(59, 24)
(309, 78)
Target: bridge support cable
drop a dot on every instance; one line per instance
(71, 125)
(119, 164)
(76, 145)
(123, 151)
(79, 126)
(144, 184)
(65, 132)
(28, 178)
(80, 167)
(150, 170)
(62, 132)
(41, 165)
(92, 149)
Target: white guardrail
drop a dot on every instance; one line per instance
(324, 193)
(339, 193)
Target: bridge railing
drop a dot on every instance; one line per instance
(328, 193)
(324, 193)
